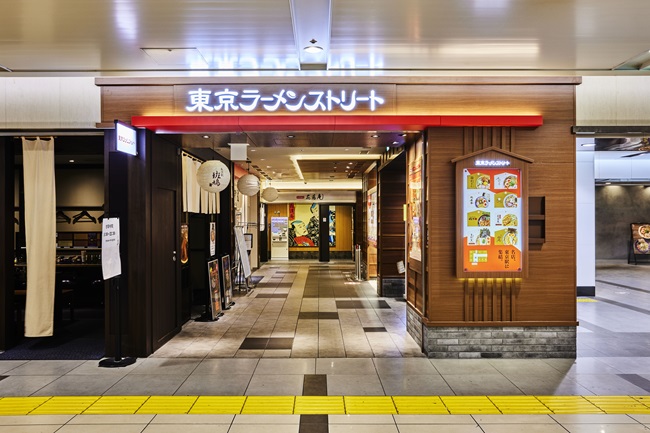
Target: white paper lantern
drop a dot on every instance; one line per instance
(213, 176)
(248, 185)
(270, 194)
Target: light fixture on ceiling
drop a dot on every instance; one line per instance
(290, 136)
(71, 160)
(313, 48)
(375, 135)
(206, 136)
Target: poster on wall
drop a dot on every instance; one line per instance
(184, 244)
(332, 226)
(215, 290)
(213, 239)
(372, 218)
(415, 209)
(303, 225)
(641, 238)
(227, 282)
(492, 218)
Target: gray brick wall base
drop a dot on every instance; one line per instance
(459, 342)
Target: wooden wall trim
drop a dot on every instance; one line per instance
(471, 324)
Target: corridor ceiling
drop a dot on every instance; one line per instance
(358, 37)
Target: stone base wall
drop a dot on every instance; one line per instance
(500, 342)
(392, 287)
(414, 325)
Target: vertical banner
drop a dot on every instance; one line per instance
(415, 209)
(111, 264)
(185, 240)
(243, 253)
(492, 218)
(40, 235)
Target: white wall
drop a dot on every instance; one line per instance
(66, 102)
(586, 220)
(613, 101)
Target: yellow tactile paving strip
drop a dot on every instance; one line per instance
(326, 405)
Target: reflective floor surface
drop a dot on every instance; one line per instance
(308, 329)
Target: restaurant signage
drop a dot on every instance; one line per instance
(640, 238)
(235, 99)
(492, 217)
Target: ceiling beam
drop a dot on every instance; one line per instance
(312, 23)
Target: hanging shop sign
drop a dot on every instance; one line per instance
(126, 138)
(228, 99)
(492, 210)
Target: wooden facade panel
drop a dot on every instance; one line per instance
(548, 293)
(122, 103)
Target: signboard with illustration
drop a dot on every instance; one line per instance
(304, 230)
(492, 214)
(415, 209)
(641, 238)
(372, 218)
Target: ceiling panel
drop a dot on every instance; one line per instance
(240, 37)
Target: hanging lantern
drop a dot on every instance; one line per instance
(270, 194)
(213, 176)
(248, 185)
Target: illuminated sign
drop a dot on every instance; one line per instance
(200, 100)
(491, 163)
(126, 138)
(492, 220)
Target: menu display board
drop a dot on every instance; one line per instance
(641, 238)
(415, 208)
(492, 220)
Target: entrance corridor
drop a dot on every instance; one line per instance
(311, 350)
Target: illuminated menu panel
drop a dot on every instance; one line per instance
(492, 220)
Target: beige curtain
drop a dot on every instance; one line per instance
(40, 235)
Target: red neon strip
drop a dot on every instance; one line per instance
(199, 124)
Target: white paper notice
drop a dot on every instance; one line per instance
(111, 265)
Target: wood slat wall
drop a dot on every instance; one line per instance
(548, 294)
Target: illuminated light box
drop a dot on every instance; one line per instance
(126, 138)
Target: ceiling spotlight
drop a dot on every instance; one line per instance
(290, 136)
(375, 135)
(313, 48)
(206, 136)
(71, 160)
(402, 134)
(395, 142)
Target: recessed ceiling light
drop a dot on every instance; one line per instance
(253, 150)
(375, 135)
(290, 136)
(403, 135)
(313, 48)
(206, 136)
(588, 144)
(72, 160)
(395, 142)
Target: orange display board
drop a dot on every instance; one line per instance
(492, 219)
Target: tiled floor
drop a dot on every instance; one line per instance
(307, 321)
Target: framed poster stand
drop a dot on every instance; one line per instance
(241, 265)
(213, 309)
(639, 244)
(226, 278)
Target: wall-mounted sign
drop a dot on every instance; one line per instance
(492, 214)
(320, 197)
(237, 99)
(126, 138)
(492, 238)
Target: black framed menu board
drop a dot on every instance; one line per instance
(492, 212)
